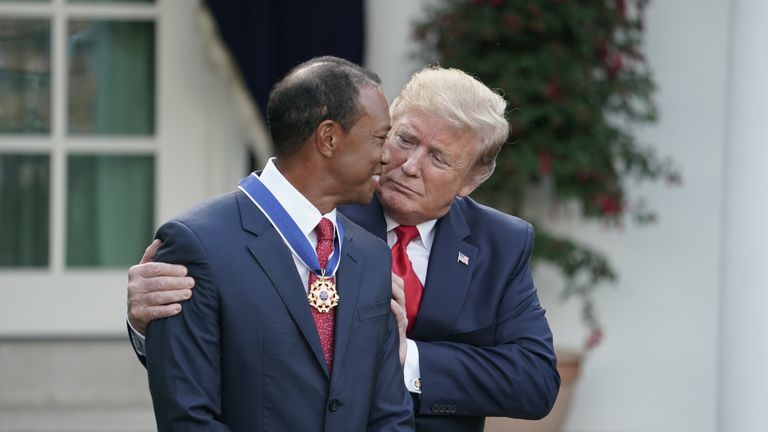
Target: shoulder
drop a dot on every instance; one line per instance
(500, 237)
(208, 223)
(485, 220)
(212, 212)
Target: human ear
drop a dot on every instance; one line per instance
(471, 184)
(327, 137)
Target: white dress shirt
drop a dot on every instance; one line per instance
(298, 207)
(418, 252)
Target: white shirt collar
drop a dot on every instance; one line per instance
(306, 215)
(426, 229)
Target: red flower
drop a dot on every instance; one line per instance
(621, 6)
(608, 205)
(613, 63)
(545, 163)
(594, 339)
(497, 2)
(512, 21)
(582, 176)
(552, 91)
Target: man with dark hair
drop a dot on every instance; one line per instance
(301, 101)
(290, 328)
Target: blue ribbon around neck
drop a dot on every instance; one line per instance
(287, 228)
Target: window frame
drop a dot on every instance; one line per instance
(59, 300)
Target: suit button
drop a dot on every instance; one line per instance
(334, 405)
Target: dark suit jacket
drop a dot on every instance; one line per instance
(245, 355)
(485, 348)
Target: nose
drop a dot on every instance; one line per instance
(385, 154)
(412, 163)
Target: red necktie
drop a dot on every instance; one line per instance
(324, 321)
(402, 267)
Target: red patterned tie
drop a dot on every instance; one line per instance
(324, 321)
(402, 267)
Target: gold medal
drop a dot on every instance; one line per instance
(322, 294)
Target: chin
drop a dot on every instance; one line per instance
(395, 203)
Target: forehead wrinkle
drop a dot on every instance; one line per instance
(429, 139)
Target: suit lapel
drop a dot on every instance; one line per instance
(273, 256)
(348, 280)
(447, 278)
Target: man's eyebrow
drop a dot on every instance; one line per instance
(408, 134)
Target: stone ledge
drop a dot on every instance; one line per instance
(77, 419)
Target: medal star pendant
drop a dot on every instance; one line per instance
(322, 294)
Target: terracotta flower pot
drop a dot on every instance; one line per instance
(569, 366)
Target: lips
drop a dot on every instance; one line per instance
(402, 188)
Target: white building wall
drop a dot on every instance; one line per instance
(657, 367)
(744, 353)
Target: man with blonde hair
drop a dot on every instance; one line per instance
(474, 338)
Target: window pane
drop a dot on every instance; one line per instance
(110, 208)
(25, 76)
(24, 198)
(111, 77)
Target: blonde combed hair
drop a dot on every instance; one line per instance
(464, 102)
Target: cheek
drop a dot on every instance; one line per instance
(441, 188)
(396, 152)
(396, 158)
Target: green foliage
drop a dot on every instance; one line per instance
(575, 78)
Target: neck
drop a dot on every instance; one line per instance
(313, 189)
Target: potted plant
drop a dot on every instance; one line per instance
(576, 81)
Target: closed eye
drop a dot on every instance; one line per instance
(439, 160)
(405, 141)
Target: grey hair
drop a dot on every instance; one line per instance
(464, 102)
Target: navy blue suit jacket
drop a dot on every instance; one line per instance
(245, 354)
(485, 347)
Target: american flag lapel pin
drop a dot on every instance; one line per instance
(463, 259)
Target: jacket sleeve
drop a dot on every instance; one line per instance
(183, 352)
(137, 344)
(516, 376)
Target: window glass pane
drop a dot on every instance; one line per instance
(110, 208)
(25, 76)
(24, 201)
(111, 77)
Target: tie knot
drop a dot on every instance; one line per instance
(324, 230)
(406, 233)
